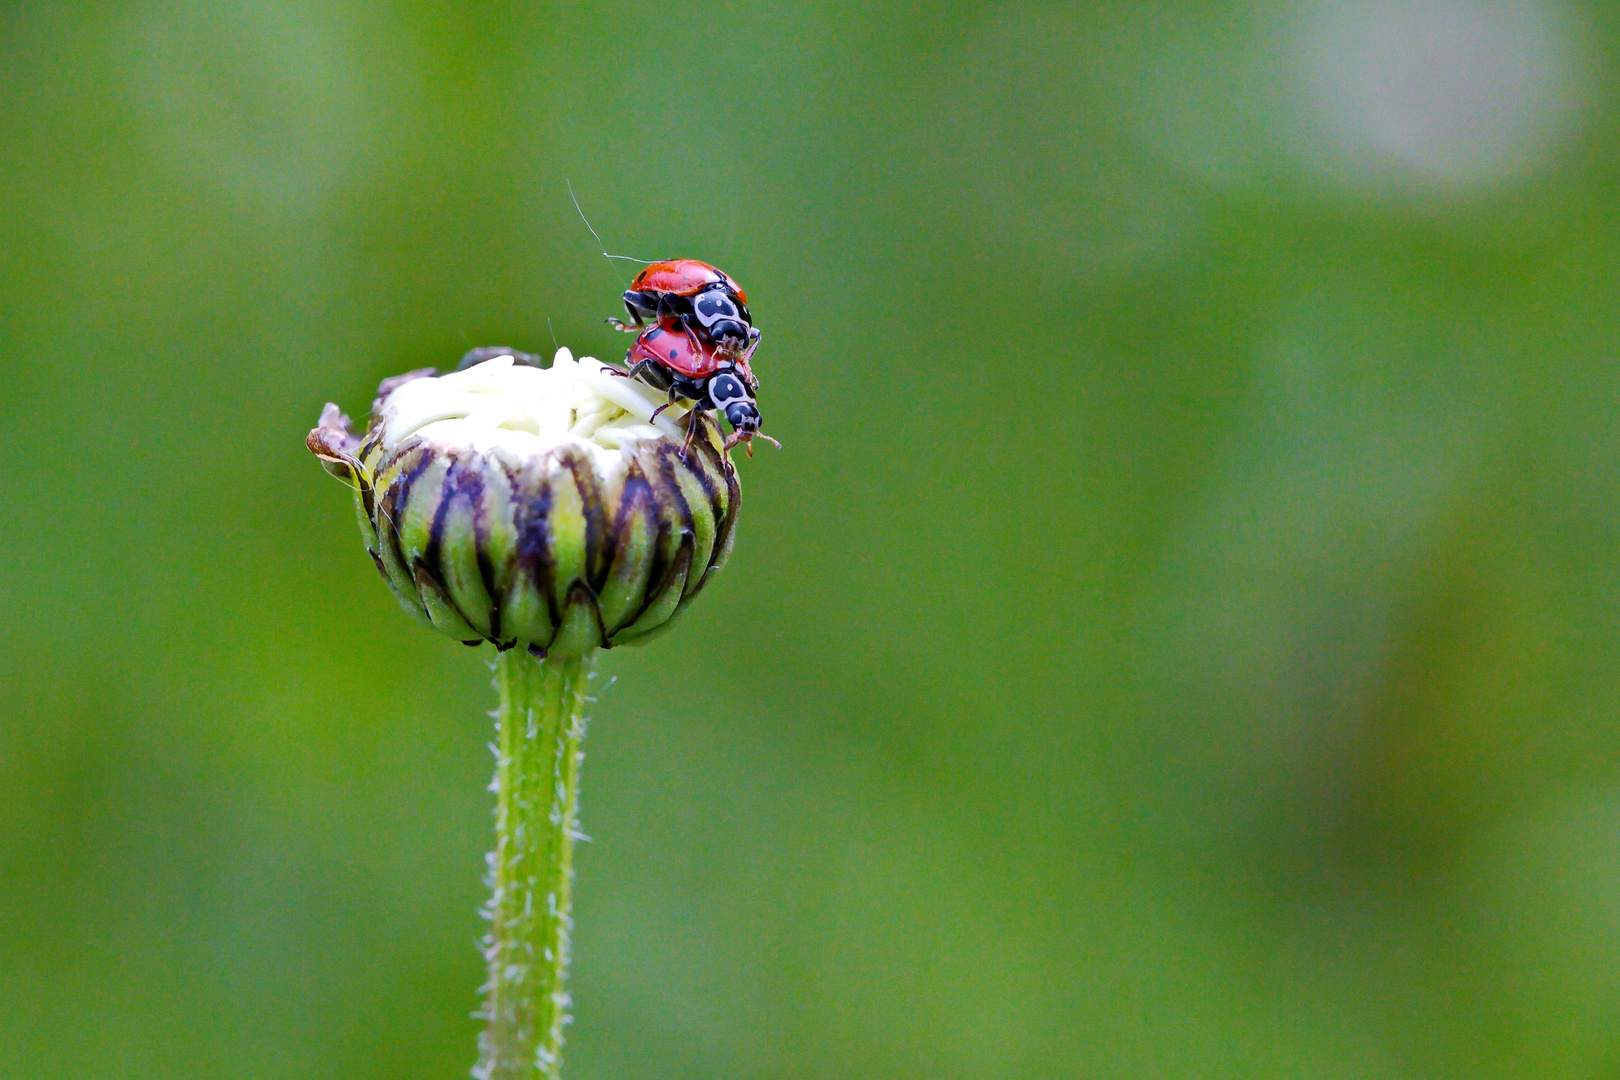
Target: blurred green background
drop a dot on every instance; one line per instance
(1179, 637)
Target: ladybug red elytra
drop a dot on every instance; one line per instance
(704, 298)
(684, 277)
(669, 345)
(667, 357)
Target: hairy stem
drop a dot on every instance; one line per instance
(539, 728)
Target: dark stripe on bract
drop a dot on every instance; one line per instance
(635, 499)
(461, 481)
(514, 495)
(599, 543)
(669, 511)
(480, 507)
(624, 582)
(447, 495)
(700, 470)
(671, 463)
(668, 462)
(368, 447)
(399, 492)
(682, 562)
(388, 507)
(635, 486)
(725, 522)
(654, 533)
(368, 490)
(657, 572)
(531, 517)
(710, 474)
(402, 485)
(680, 565)
(733, 501)
(368, 497)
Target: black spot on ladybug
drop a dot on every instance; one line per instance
(674, 353)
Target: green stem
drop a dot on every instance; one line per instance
(539, 728)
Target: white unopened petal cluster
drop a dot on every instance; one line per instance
(500, 406)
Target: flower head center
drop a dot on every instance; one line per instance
(514, 411)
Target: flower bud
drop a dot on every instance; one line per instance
(543, 507)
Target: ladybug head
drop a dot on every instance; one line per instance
(722, 318)
(732, 398)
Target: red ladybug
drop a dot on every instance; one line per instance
(684, 277)
(666, 357)
(705, 300)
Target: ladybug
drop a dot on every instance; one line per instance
(705, 299)
(666, 357)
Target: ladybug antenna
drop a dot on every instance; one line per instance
(582, 217)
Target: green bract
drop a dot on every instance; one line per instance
(539, 507)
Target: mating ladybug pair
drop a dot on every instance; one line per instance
(694, 338)
(698, 343)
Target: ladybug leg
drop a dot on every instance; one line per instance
(753, 343)
(679, 308)
(635, 324)
(664, 406)
(691, 336)
(694, 422)
(747, 439)
(634, 372)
